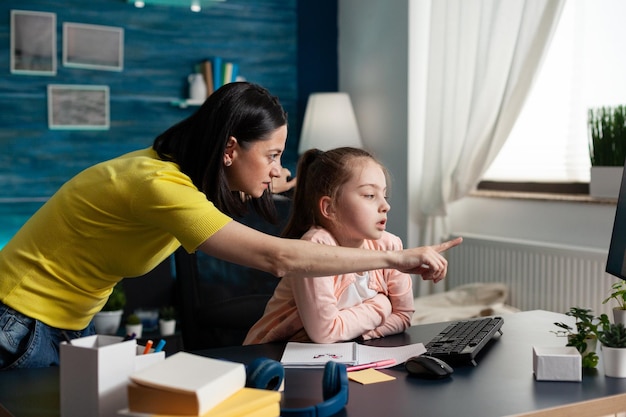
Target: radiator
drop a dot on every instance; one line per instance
(539, 275)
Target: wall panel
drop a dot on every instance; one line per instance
(162, 45)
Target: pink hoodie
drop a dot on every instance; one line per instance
(305, 309)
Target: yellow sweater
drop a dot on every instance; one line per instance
(117, 219)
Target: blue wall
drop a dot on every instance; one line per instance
(162, 45)
(288, 46)
(318, 68)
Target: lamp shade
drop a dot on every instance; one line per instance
(329, 122)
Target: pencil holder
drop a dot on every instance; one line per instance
(144, 360)
(94, 374)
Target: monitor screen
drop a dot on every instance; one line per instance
(616, 261)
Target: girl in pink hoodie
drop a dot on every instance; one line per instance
(340, 200)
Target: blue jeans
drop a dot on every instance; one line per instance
(29, 343)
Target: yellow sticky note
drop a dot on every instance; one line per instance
(369, 376)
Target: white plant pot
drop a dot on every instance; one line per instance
(605, 181)
(108, 322)
(167, 327)
(135, 329)
(619, 315)
(614, 360)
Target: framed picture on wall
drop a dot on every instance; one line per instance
(93, 47)
(33, 43)
(78, 107)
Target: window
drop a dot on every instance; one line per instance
(584, 68)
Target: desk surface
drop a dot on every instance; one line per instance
(501, 385)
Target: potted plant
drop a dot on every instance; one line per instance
(612, 337)
(607, 149)
(167, 320)
(134, 326)
(108, 320)
(583, 337)
(618, 293)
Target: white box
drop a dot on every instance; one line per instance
(560, 363)
(94, 374)
(143, 361)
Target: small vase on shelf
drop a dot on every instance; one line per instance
(134, 326)
(167, 321)
(167, 327)
(197, 88)
(107, 322)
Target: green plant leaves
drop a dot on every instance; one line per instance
(607, 135)
(117, 299)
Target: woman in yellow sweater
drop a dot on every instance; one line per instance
(123, 217)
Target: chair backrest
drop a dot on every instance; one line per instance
(150, 291)
(219, 301)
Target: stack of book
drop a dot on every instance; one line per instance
(218, 72)
(185, 384)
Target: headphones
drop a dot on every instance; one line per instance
(269, 374)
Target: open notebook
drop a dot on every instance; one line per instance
(306, 355)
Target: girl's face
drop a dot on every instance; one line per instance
(251, 169)
(360, 211)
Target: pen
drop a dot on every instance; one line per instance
(148, 346)
(129, 337)
(377, 364)
(159, 346)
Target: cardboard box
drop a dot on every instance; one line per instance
(560, 363)
(94, 374)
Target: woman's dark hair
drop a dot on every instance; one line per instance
(244, 110)
(321, 174)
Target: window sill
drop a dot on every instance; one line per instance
(555, 197)
(577, 192)
(517, 195)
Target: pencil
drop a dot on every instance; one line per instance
(148, 347)
(159, 346)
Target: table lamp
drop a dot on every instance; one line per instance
(329, 122)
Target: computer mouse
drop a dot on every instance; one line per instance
(428, 367)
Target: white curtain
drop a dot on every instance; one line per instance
(471, 65)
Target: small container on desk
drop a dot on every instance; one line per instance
(94, 374)
(173, 342)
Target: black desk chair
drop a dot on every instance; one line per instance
(219, 301)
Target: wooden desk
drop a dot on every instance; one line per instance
(501, 385)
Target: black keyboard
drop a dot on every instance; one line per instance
(462, 340)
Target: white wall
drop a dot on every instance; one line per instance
(373, 63)
(561, 223)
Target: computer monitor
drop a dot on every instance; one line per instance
(616, 261)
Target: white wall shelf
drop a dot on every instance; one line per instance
(183, 104)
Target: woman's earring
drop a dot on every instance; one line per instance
(228, 162)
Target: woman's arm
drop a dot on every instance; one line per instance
(243, 245)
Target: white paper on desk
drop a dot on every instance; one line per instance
(307, 355)
(368, 354)
(302, 355)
